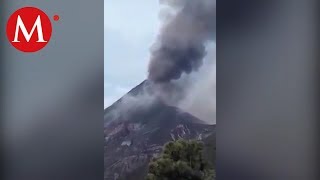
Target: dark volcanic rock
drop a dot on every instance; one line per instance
(133, 136)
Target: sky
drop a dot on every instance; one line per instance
(130, 28)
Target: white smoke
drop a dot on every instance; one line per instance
(200, 97)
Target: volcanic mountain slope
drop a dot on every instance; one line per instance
(133, 137)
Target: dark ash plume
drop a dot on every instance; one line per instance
(181, 44)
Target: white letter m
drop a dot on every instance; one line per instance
(27, 36)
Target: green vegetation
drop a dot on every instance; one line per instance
(181, 160)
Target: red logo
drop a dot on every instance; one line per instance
(29, 29)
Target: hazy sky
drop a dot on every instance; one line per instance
(130, 28)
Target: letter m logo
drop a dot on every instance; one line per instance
(29, 29)
(27, 35)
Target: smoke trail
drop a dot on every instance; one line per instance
(200, 93)
(181, 44)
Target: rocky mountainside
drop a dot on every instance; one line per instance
(133, 138)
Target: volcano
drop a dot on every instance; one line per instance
(136, 132)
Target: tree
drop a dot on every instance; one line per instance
(181, 160)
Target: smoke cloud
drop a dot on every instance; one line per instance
(181, 45)
(200, 95)
(182, 64)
